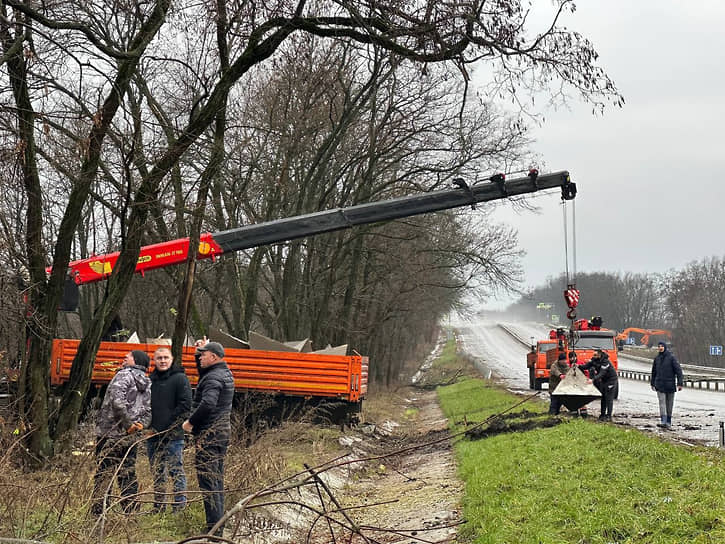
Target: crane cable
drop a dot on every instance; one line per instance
(570, 279)
(566, 242)
(573, 239)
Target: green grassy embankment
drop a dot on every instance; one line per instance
(577, 482)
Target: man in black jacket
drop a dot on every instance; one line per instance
(604, 377)
(170, 406)
(665, 370)
(211, 426)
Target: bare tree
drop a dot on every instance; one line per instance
(69, 69)
(695, 302)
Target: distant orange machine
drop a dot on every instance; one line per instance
(648, 335)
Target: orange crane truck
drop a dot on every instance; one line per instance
(584, 338)
(309, 376)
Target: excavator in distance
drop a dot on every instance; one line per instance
(647, 337)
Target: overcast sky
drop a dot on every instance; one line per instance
(651, 176)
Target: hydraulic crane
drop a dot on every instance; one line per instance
(212, 245)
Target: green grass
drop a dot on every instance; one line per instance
(581, 481)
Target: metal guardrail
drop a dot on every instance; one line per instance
(515, 336)
(716, 372)
(710, 383)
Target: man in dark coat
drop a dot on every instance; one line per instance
(170, 406)
(665, 372)
(210, 424)
(126, 410)
(604, 377)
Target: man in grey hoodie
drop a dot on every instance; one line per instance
(125, 411)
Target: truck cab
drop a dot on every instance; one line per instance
(585, 342)
(537, 362)
(584, 337)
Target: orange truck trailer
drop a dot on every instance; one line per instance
(313, 376)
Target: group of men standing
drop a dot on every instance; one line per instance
(666, 378)
(158, 409)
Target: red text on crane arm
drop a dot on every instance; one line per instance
(154, 256)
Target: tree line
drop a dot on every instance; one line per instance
(166, 120)
(689, 302)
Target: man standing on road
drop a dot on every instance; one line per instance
(211, 426)
(170, 406)
(665, 371)
(126, 410)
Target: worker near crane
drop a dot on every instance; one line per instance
(604, 377)
(557, 371)
(210, 425)
(666, 378)
(126, 410)
(170, 406)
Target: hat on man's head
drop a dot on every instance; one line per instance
(140, 358)
(562, 356)
(661, 343)
(215, 347)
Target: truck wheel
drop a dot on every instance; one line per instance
(537, 385)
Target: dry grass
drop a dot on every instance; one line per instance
(52, 504)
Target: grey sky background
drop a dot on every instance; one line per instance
(651, 176)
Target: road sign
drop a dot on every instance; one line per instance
(715, 350)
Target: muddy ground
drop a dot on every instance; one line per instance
(405, 497)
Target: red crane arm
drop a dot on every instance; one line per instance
(99, 267)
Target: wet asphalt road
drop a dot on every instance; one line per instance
(697, 413)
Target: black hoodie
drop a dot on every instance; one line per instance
(170, 401)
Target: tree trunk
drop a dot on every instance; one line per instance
(211, 171)
(250, 294)
(43, 297)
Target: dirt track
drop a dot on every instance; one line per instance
(422, 481)
(397, 483)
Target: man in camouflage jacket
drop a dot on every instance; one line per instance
(125, 411)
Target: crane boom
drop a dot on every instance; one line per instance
(211, 245)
